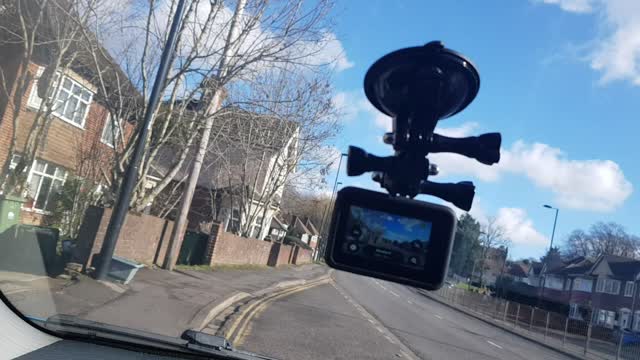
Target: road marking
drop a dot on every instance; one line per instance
(404, 350)
(394, 294)
(410, 302)
(247, 315)
(494, 344)
(438, 316)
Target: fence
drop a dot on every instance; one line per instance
(577, 336)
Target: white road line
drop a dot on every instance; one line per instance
(410, 302)
(438, 316)
(494, 344)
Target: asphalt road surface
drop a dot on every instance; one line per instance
(361, 318)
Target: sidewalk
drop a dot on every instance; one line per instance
(156, 300)
(570, 348)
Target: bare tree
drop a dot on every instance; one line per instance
(210, 56)
(602, 239)
(493, 237)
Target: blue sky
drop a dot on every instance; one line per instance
(560, 79)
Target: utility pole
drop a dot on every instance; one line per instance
(121, 206)
(545, 265)
(216, 102)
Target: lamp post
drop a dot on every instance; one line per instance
(546, 259)
(121, 206)
(335, 186)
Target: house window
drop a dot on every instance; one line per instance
(625, 315)
(567, 284)
(34, 100)
(636, 321)
(111, 131)
(600, 285)
(45, 181)
(234, 222)
(255, 230)
(72, 102)
(580, 284)
(613, 287)
(611, 318)
(628, 289)
(574, 313)
(15, 159)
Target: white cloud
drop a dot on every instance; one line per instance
(352, 104)
(598, 185)
(332, 52)
(578, 6)
(615, 53)
(518, 228)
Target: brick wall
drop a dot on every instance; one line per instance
(229, 249)
(285, 254)
(143, 238)
(303, 256)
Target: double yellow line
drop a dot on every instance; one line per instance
(239, 329)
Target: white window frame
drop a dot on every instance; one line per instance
(600, 285)
(232, 219)
(34, 100)
(107, 130)
(60, 114)
(625, 313)
(610, 319)
(42, 175)
(615, 287)
(628, 289)
(584, 285)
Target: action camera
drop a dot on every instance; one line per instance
(397, 239)
(392, 236)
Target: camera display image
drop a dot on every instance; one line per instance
(388, 237)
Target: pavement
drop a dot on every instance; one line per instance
(364, 318)
(156, 300)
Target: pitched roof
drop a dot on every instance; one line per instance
(577, 266)
(536, 267)
(622, 267)
(278, 224)
(517, 270)
(309, 225)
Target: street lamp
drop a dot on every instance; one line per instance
(335, 186)
(322, 240)
(546, 259)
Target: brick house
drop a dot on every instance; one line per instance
(603, 291)
(79, 134)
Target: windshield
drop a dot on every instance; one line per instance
(173, 165)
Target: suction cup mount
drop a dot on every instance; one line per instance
(417, 87)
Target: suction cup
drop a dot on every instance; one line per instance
(429, 76)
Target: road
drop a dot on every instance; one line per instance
(361, 318)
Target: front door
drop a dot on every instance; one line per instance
(624, 319)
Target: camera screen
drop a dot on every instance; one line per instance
(396, 239)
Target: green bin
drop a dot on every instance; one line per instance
(9, 211)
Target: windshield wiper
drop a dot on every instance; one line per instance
(191, 341)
